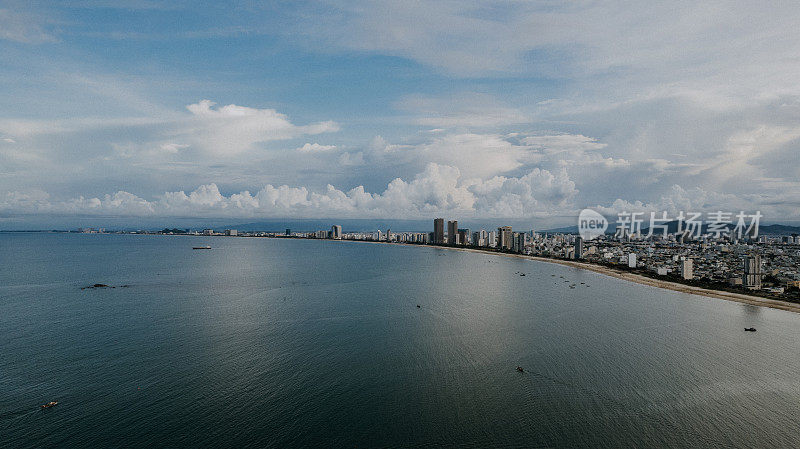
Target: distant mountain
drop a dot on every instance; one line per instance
(564, 230)
(672, 227)
(779, 229)
(368, 224)
(348, 225)
(775, 229)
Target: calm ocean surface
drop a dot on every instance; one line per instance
(297, 343)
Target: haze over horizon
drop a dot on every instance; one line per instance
(475, 110)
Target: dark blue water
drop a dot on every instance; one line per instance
(291, 343)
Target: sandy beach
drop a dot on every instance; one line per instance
(631, 277)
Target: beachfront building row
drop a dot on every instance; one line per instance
(504, 238)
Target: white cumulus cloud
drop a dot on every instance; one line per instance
(436, 190)
(315, 148)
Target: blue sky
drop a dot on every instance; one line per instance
(524, 110)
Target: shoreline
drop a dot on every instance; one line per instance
(639, 279)
(611, 272)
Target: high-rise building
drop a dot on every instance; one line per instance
(452, 232)
(438, 231)
(389, 235)
(491, 239)
(336, 232)
(464, 236)
(288, 232)
(505, 237)
(632, 260)
(518, 242)
(752, 272)
(483, 238)
(579, 248)
(687, 269)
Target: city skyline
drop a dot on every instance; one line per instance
(482, 110)
(709, 261)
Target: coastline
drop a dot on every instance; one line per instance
(643, 280)
(611, 272)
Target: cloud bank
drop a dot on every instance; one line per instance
(439, 188)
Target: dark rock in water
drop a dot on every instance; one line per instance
(96, 286)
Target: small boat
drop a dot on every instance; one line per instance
(519, 368)
(202, 247)
(49, 404)
(749, 329)
(418, 306)
(522, 274)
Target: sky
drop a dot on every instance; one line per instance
(477, 110)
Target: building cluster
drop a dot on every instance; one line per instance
(92, 230)
(768, 263)
(504, 238)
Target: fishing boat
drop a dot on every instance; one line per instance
(749, 329)
(49, 404)
(202, 247)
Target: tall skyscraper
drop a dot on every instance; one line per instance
(452, 232)
(483, 238)
(518, 243)
(336, 232)
(438, 231)
(752, 272)
(464, 237)
(505, 237)
(579, 248)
